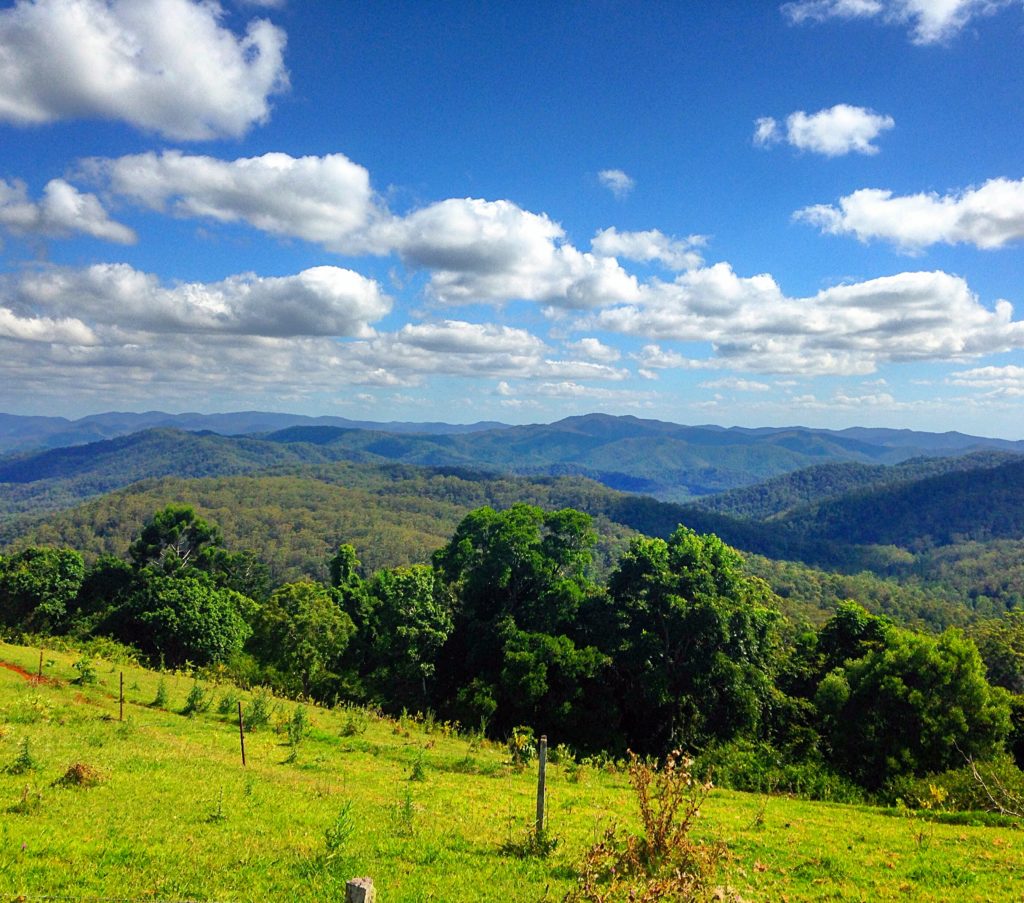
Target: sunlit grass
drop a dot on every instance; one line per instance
(176, 816)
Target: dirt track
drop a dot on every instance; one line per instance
(17, 669)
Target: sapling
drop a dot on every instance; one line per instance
(24, 761)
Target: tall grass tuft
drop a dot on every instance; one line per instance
(338, 833)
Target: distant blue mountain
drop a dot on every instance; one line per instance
(24, 433)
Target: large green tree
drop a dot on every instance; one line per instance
(694, 642)
(38, 587)
(185, 617)
(518, 580)
(915, 705)
(185, 597)
(173, 539)
(406, 621)
(302, 631)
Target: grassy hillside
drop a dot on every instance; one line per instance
(174, 815)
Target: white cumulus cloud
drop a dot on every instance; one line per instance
(477, 250)
(832, 132)
(64, 330)
(493, 251)
(326, 200)
(166, 66)
(62, 210)
(650, 245)
(594, 350)
(988, 217)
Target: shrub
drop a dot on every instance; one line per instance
(996, 785)
(759, 768)
(160, 700)
(522, 747)
(228, 703)
(663, 862)
(297, 726)
(561, 754)
(418, 772)
(534, 844)
(356, 721)
(86, 671)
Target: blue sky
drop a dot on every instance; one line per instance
(741, 212)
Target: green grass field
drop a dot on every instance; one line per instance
(175, 816)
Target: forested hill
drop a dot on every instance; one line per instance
(397, 514)
(669, 461)
(978, 504)
(823, 482)
(296, 517)
(63, 477)
(811, 515)
(934, 504)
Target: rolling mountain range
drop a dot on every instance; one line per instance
(802, 514)
(668, 461)
(20, 433)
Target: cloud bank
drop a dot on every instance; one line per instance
(847, 329)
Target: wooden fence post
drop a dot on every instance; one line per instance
(542, 761)
(120, 716)
(360, 890)
(241, 731)
(40, 672)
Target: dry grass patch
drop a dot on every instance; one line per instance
(80, 775)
